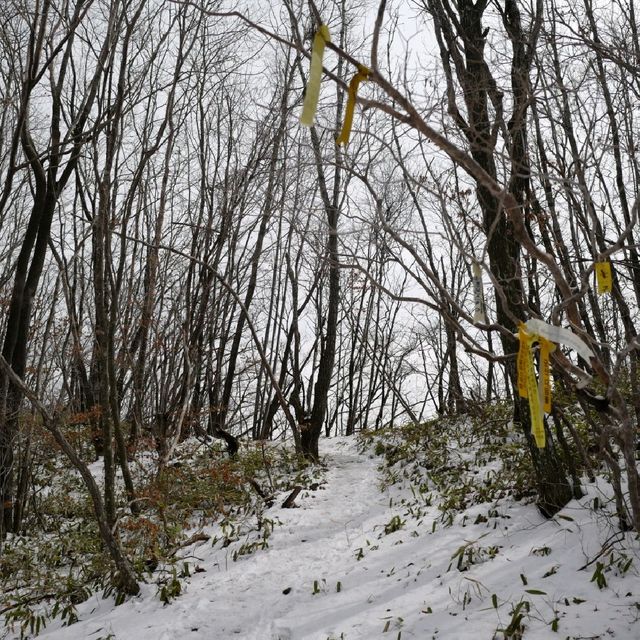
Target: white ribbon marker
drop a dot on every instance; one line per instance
(479, 314)
(560, 335)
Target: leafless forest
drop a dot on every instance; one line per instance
(179, 258)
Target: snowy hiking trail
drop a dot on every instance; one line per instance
(372, 584)
(244, 599)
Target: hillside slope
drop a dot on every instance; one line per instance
(353, 561)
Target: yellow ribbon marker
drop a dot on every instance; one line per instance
(535, 404)
(363, 74)
(603, 277)
(315, 76)
(546, 348)
(528, 385)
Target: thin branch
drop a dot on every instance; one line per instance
(376, 34)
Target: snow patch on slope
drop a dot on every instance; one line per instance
(353, 562)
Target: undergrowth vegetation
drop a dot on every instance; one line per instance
(464, 460)
(461, 470)
(471, 470)
(58, 560)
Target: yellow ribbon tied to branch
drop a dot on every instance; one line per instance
(603, 277)
(312, 94)
(362, 74)
(538, 391)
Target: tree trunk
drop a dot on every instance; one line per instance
(479, 89)
(310, 432)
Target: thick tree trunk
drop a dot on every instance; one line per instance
(480, 90)
(28, 271)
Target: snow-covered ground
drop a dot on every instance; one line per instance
(351, 562)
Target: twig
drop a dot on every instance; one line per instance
(196, 537)
(605, 547)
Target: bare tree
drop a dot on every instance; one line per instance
(49, 54)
